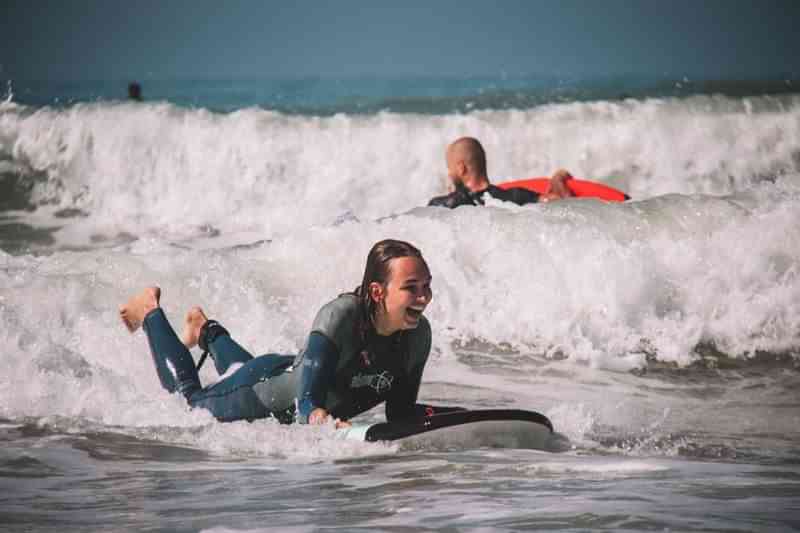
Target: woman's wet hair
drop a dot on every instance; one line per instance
(378, 270)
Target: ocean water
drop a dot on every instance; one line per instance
(661, 336)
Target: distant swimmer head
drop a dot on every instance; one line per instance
(396, 287)
(135, 91)
(466, 162)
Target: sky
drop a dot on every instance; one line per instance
(210, 39)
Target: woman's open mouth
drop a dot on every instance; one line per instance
(414, 314)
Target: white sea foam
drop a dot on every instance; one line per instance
(599, 283)
(598, 469)
(156, 168)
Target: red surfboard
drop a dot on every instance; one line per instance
(580, 188)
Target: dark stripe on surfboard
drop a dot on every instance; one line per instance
(388, 431)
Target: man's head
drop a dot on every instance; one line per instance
(466, 163)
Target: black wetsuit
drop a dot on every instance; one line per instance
(463, 196)
(340, 370)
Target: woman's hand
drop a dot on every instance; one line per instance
(320, 416)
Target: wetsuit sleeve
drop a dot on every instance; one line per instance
(460, 196)
(522, 196)
(517, 195)
(402, 403)
(446, 200)
(329, 342)
(316, 372)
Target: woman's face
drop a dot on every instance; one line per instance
(404, 297)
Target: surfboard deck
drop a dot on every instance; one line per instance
(580, 188)
(493, 428)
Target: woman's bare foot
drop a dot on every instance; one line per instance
(134, 310)
(195, 319)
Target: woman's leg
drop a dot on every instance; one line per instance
(260, 388)
(174, 363)
(263, 387)
(215, 339)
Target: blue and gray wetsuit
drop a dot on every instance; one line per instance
(340, 369)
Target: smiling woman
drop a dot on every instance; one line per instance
(365, 347)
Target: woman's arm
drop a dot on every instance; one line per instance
(403, 402)
(316, 373)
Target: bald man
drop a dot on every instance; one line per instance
(466, 168)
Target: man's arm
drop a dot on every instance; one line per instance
(558, 189)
